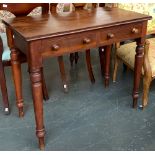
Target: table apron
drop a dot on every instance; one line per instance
(86, 40)
(60, 45)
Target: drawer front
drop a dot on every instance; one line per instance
(123, 32)
(82, 41)
(61, 45)
(52, 46)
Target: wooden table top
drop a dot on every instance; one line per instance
(50, 25)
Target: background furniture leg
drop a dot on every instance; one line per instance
(71, 57)
(76, 57)
(102, 61)
(137, 70)
(4, 90)
(89, 66)
(62, 72)
(107, 65)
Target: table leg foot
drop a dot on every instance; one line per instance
(134, 103)
(106, 83)
(41, 143)
(135, 100)
(20, 108)
(21, 112)
(41, 136)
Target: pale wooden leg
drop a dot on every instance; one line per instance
(146, 86)
(116, 62)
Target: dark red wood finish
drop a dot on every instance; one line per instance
(20, 9)
(70, 32)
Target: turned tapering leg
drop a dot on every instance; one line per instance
(102, 59)
(36, 81)
(89, 66)
(17, 77)
(4, 89)
(107, 65)
(138, 70)
(63, 74)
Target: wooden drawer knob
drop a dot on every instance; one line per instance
(86, 40)
(55, 47)
(135, 30)
(110, 35)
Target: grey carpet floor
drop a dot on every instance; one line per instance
(89, 117)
